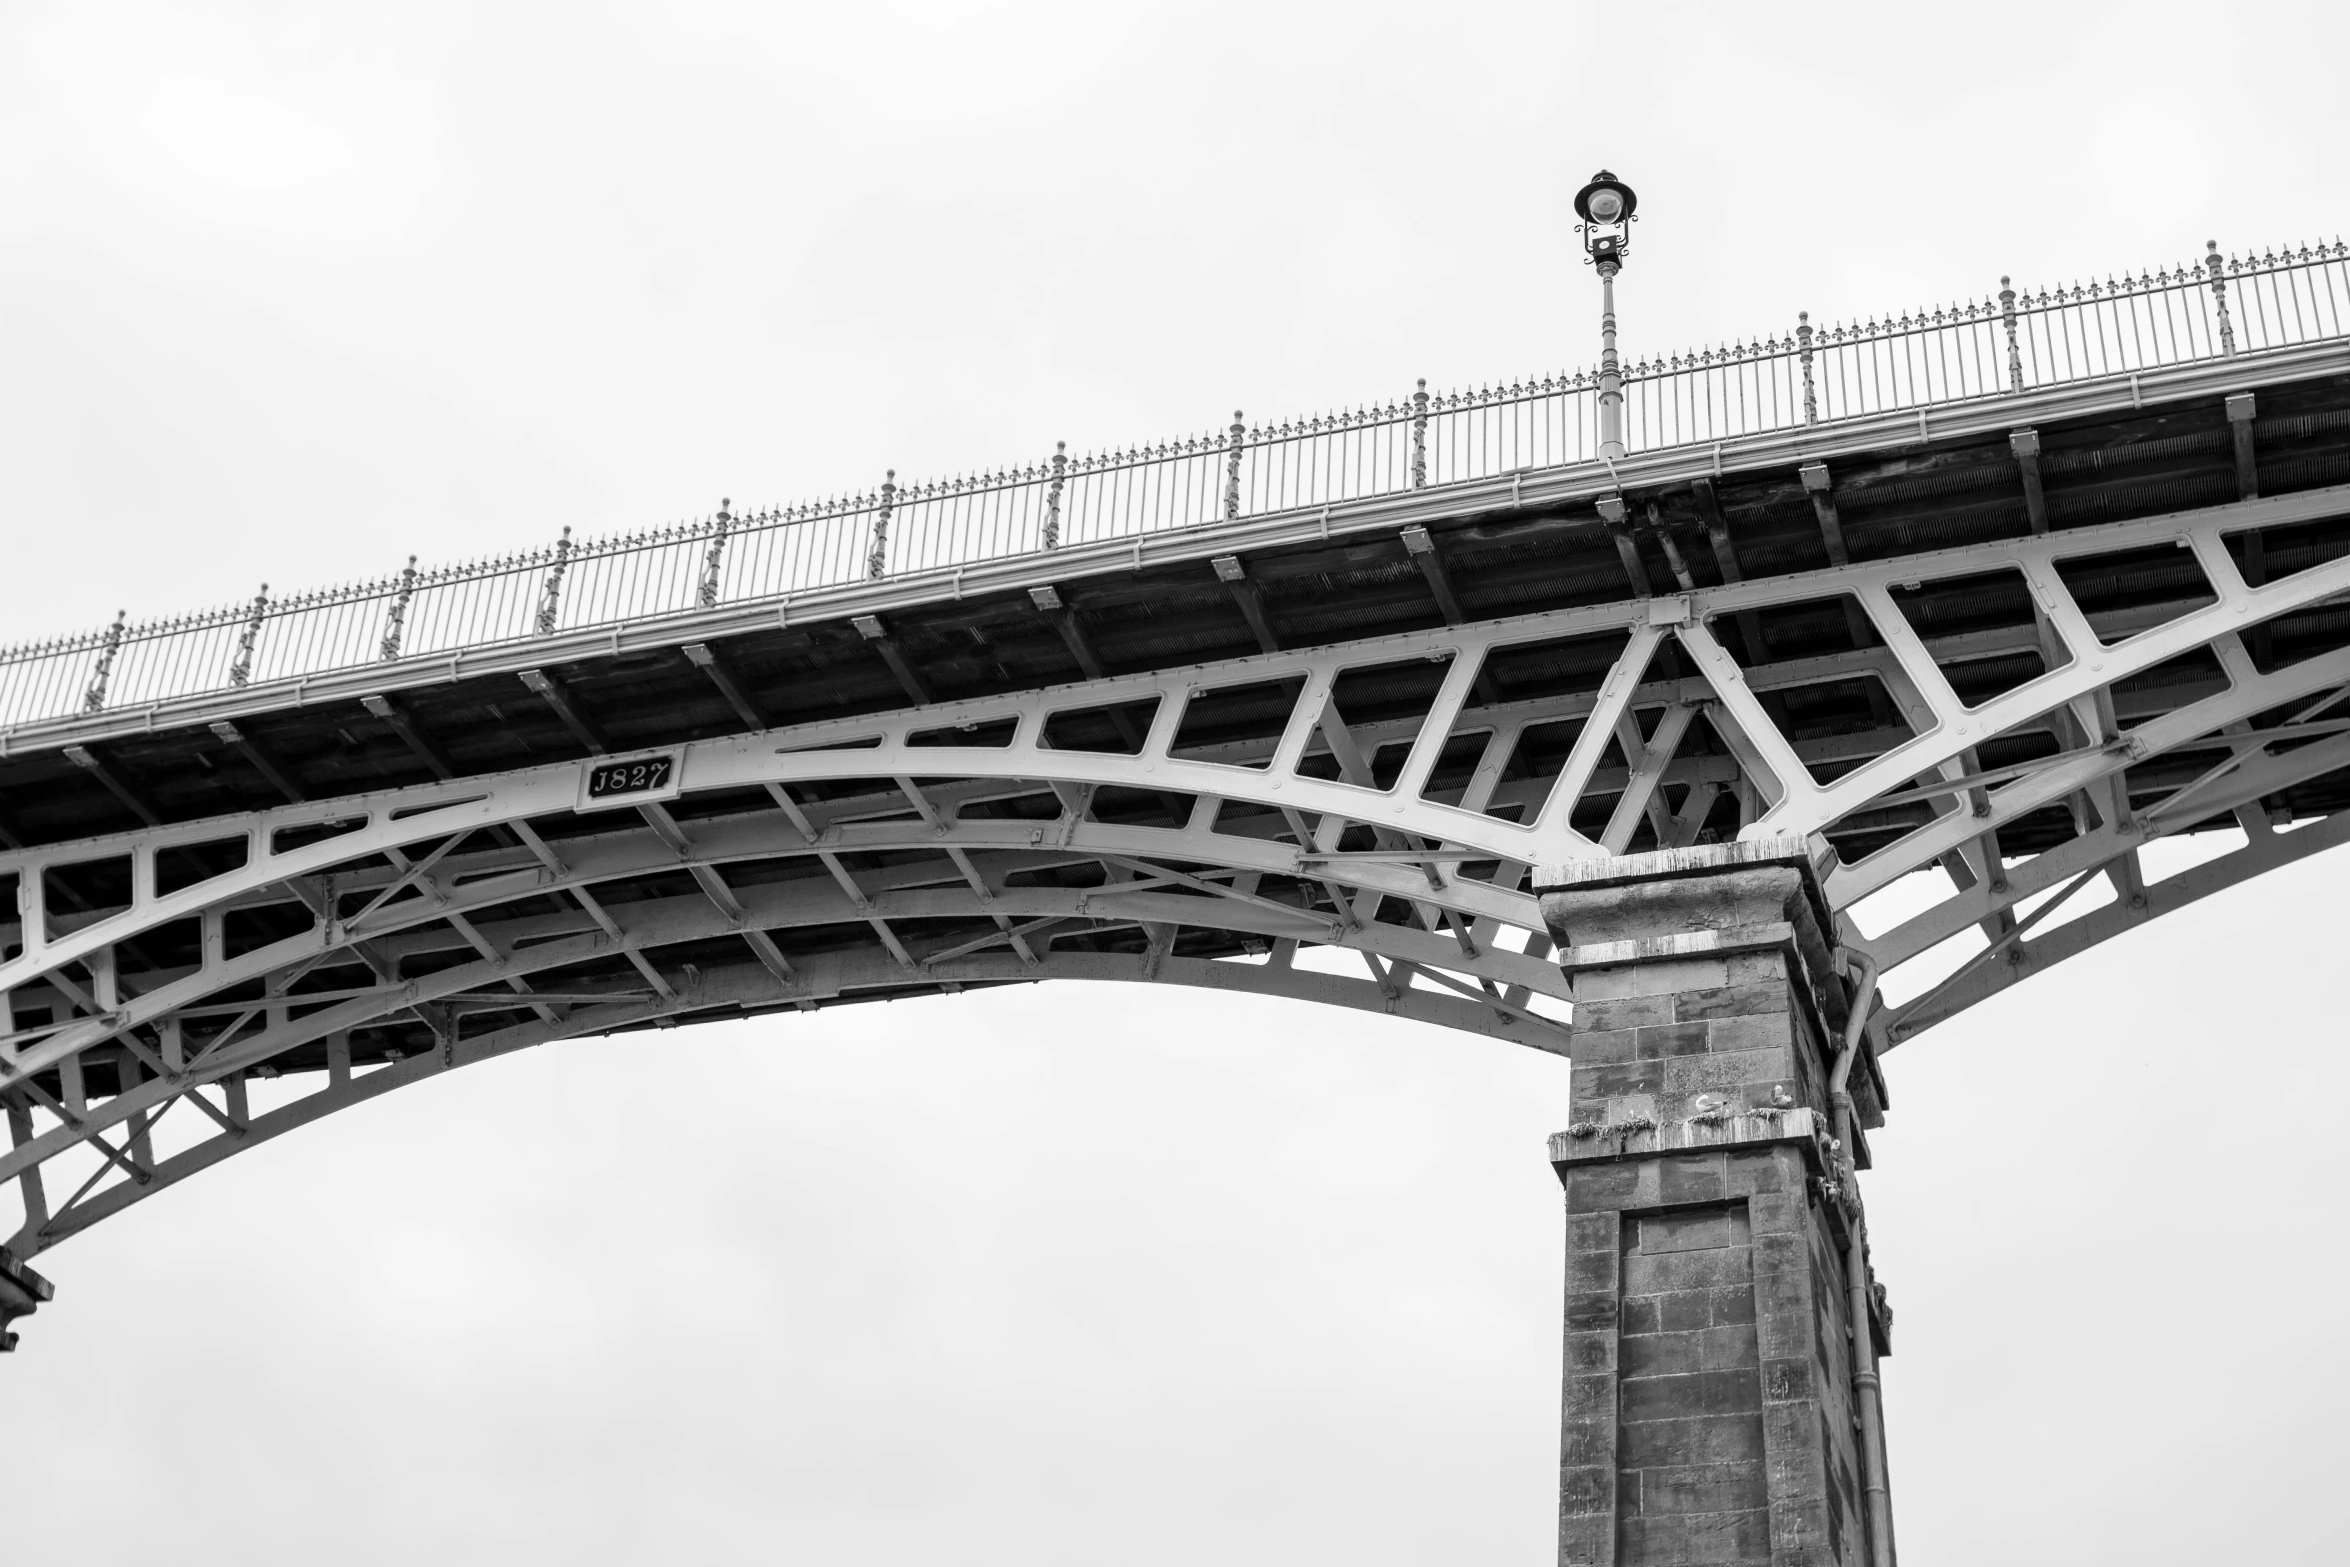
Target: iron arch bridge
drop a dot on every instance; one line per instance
(2007, 636)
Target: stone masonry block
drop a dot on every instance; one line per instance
(1663, 1355)
(1594, 1232)
(1586, 1539)
(1596, 1272)
(1623, 1012)
(1797, 1464)
(1696, 1540)
(1672, 976)
(1699, 1393)
(1685, 1353)
(1672, 1039)
(1726, 1349)
(1752, 1031)
(1588, 1441)
(1698, 1229)
(1722, 900)
(1621, 1107)
(1594, 1351)
(1703, 1488)
(1697, 1074)
(1586, 1488)
(1693, 1439)
(1784, 1335)
(1756, 968)
(1664, 979)
(1684, 1311)
(1778, 1213)
(1783, 1311)
(1776, 1254)
(1616, 1081)
(1789, 1381)
(1591, 1311)
(1594, 1188)
(1693, 1177)
(1799, 1529)
(1731, 1001)
(1687, 1270)
(1601, 1047)
(1589, 1396)
(1761, 1170)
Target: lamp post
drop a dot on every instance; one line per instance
(1605, 206)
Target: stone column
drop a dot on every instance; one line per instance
(1709, 1411)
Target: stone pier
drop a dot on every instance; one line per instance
(1709, 1412)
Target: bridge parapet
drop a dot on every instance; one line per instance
(2012, 345)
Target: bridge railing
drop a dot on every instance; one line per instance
(2013, 341)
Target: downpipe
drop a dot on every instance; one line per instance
(1866, 1388)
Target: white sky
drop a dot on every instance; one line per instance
(289, 292)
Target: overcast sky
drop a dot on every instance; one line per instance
(290, 292)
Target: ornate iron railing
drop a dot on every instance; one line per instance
(2012, 342)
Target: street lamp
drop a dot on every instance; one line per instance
(1606, 206)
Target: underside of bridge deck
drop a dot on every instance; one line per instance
(2012, 657)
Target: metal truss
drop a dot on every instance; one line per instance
(1193, 826)
(718, 992)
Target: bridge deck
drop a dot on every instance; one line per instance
(1536, 664)
(1500, 561)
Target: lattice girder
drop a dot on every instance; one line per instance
(930, 839)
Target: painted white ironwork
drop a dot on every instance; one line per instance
(1285, 842)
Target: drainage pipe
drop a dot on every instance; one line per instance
(1865, 1386)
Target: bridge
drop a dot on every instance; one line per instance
(1591, 712)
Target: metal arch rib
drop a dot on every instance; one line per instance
(557, 943)
(751, 986)
(2265, 852)
(1945, 733)
(641, 851)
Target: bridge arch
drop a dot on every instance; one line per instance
(955, 843)
(2017, 695)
